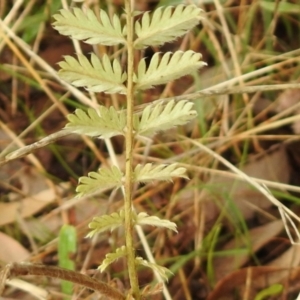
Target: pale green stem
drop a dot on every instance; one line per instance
(129, 157)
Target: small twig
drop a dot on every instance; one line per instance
(19, 269)
(39, 144)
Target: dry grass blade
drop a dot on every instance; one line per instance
(241, 117)
(285, 212)
(30, 148)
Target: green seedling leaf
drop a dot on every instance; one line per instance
(144, 219)
(67, 243)
(101, 122)
(96, 76)
(169, 67)
(166, 24)
(104, 178)
(87, 27)
(272, 290)
(150, 172)
(111, 257)
(106, 222)
(162, 271)
(160, 118)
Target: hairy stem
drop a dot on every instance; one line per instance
(18, 269)
(129, 157)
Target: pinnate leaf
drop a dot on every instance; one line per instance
(144, 219)
(97, 75)
(150, 172)
(101, 122)
(87, 27)
(162, 271)
(166, 24)
(106, 222)
(111, 257)
(159, 117)
(104, 178)
(170, 67)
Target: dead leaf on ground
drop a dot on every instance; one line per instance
(289, 100)
(280, 270)
(290, 259)
(11, 250)
(226, 193)
(29, 205)
(254, 279)
(32, 291)
(32, 182)
(255, 239)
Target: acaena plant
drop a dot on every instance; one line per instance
(101, 74)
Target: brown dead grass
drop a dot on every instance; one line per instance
(231, 242)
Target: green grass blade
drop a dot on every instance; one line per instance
(67, 244)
